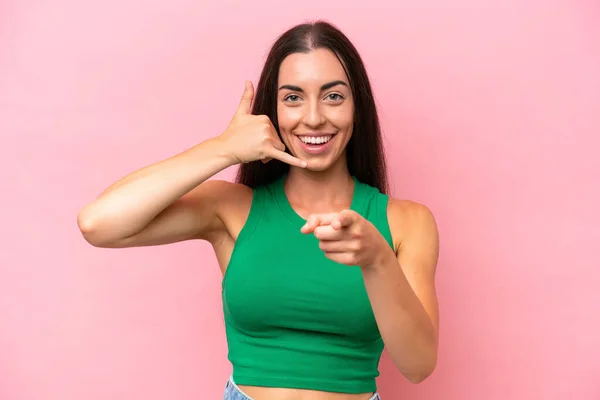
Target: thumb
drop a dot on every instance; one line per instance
(245, 106)
(344, 219)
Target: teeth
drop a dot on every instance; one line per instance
(315, 140)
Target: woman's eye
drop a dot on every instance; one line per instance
(334, 96)
(292, 97)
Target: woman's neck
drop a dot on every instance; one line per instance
(319, 191)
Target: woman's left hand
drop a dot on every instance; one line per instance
(348, 238)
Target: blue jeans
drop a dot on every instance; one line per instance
(232, 392)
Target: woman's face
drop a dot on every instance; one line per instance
(315, 108)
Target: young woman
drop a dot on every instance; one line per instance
(322, 269)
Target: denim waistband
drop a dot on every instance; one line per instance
(233, 392)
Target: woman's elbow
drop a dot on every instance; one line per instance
(419, 377)
(423, 371)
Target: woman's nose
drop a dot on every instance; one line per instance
(314, 116)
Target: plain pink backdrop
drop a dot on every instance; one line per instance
(491, 115)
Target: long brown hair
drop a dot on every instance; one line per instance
(364, 152)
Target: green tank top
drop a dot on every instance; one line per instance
(294, 318)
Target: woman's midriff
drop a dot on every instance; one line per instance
(264, 393)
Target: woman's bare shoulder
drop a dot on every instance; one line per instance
(232, 202)
(409, 219)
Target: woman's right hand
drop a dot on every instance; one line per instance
(253, 137)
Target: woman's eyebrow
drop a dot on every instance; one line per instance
(325, 86)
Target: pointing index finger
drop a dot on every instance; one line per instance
(317, 220)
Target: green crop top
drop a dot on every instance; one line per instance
(294, 318)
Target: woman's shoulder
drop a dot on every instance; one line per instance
(226, 190)
(408, 209)
(229, 198)
(405, 210)
(231, 201)
(410, 220)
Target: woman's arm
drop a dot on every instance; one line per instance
(161, 203)
(400, 284)
(401, 288)
(170, 201)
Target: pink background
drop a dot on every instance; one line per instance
(491, 112)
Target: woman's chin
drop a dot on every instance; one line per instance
(318, 164)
